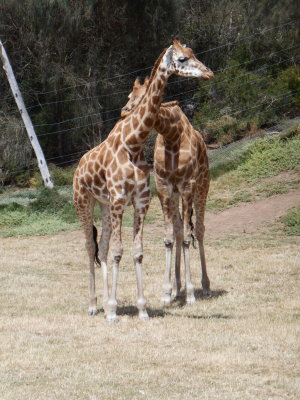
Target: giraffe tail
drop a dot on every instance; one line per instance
(95, 233)
(192, 229)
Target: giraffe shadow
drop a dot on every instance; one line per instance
(178, 302)
(212, 316)
(214, 294)
(132, 311)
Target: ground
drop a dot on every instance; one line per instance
(241, 343)
(249, 217)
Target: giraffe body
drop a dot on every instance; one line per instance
(181, 173)
(115, 174)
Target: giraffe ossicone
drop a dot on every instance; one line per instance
(115, 174)
(181, 172)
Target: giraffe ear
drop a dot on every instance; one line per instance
(176, 42)
(137, 83)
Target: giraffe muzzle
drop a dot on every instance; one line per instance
(208, 75)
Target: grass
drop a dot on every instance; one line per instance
(43, 211)
(243, 342)
(37, 212)
(259, 161)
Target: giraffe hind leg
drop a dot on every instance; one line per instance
(85, 210)
(179, 239)
(103, 251)
(139, 218)
(200, 229)
(186, 216)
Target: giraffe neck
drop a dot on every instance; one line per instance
(170, 123)
(141, 121)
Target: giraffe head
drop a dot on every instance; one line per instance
(179, 60)
(135, 96)
(183, 62)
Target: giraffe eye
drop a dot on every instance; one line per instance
(182, 59)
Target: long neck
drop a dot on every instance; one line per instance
(141, 121)
(170, 122)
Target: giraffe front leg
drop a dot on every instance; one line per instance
(139, 218)
(116, 253)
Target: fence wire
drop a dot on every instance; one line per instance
(215, 156)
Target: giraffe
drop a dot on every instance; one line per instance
(181, 171)
(115, 174)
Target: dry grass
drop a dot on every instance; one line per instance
(243, 343)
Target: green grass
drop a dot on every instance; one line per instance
(269, 157)
(291, 221)
(43, 211)
(256, 159)
(37, 212)
(238, 173)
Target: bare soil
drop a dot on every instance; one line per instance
(250, 217)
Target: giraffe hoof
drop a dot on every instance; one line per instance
(143, 315)
(177, 297)
(93, 312)
(207, 293)
(190, 300)
(166, 301)
(111, 318)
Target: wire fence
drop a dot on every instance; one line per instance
(73, 157)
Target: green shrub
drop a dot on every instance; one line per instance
(291, 221)
(270, 156)
(60, 176)
(46, 211)
(12, 214)
(238, 102)
(53, 202)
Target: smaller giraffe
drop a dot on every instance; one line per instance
(181, 171)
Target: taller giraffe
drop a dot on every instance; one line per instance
(116, 174)
(181, 171)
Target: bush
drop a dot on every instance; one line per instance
(291, 221)
(270, 156)
(53, 202)
(59, 176)
(48, 211)
(238, 102)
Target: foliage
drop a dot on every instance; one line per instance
(291, 221)
(270, 156)
(48, 212)
(59, 176)
(238, 173)
(238, 102)
(75, 63)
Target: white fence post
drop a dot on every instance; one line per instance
(26, 119)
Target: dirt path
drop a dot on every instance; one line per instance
(250, 217)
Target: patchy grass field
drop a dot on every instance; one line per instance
(242, 343)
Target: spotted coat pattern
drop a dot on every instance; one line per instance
(115, 174)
